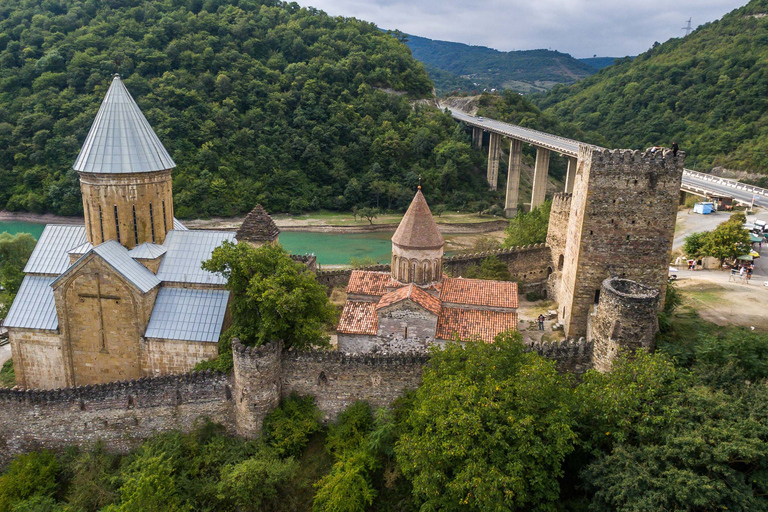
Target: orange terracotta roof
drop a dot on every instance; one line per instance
(479, 292)
(418, 228)
(472, 324)
(414, 293)
(366, 282)
(358, 318)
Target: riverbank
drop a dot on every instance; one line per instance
(38, 218)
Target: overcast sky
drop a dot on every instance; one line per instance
(608, 28)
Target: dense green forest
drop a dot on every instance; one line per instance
(492, 428)
(257, 101)
(707, 91)
(516, 70)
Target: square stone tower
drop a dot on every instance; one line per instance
(621, 224)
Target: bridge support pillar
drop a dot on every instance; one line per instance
(477, 137)
(494, 151)
(570, 177)
(540, 175)
(513, 178)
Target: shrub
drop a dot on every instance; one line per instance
(287, 428)
(33, 474)
(533, 296)
(257, 483)
(350, 430)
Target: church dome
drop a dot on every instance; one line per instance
(417, 246)
(418, 229)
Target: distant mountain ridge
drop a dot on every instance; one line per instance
(522, 71)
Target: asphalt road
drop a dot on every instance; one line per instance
(741, 195)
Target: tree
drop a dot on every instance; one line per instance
(369, 213)
(30, 475)
(490, 427)
(150, 484)
(490, 268)
(694, 244)
(727, 241)
(438, 209)
(273, 297)
(259, 483)
(528, 228)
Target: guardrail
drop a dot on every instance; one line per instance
(726, 182)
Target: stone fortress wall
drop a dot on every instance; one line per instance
(122, 414)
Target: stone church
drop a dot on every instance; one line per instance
(124, 296)
(415, 305)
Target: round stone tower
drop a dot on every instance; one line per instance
(624, 319)
(125, 175)
(417, 246)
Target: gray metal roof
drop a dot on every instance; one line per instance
(116, 256)
(188, 314)
(50, 255)
(121, 139)
(81, 249)
(178, 226)
(147, 251)
(186, 252)
(34, 306)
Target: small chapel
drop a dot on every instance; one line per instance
(124, 296)
(414, 305)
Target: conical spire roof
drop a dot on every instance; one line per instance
(121, 139)
(258, 226)
(418, 229)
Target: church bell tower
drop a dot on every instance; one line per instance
(125, 175)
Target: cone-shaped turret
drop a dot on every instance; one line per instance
(121, 139)
(258, 228)
(417, 246)
(418, 229)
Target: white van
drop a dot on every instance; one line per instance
(761, 225)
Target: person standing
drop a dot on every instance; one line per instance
(541, 322)
(675, 148)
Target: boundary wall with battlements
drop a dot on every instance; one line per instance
(123, 414)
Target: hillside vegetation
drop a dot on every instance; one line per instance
(707, 91)
(522, 71)
(256, 100)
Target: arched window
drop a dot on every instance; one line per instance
(427, 274)
(117, 224)
(403, 270)
(101, 224)
(414, 270)
(88, 217)
(165, 217)
(135, 225)
(152, 222)
(560, 262)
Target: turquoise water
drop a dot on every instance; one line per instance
(330, 248)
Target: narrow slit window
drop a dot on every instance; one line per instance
(101, 224)
(152, 222)
(88, 218)
(117, 225)
(135, 226)
(165, 218)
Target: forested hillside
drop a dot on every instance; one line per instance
(707, 91)
(522, 71)
(257, 101)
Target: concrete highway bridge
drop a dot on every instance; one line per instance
(704, 185)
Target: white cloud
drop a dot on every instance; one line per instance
(580, 27)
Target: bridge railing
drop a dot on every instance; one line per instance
(726, 182)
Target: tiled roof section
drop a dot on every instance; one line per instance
(473, 324)
(34, 306)
(186, 252)
(366, 282)
(178, 226)
(188, 314)
(121, 139)
(418, 228)
(147, 251)
(479, 292)
(414, 293)
(358, 318)
(117, 257)
(50, 255)
(258, 226)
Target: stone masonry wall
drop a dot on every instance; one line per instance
(37, 358)
(625, 319)
(621, 224)
(121, 414)
(556, 240)
(168, 357)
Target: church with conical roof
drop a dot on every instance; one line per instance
(124, 296)
(415, 305)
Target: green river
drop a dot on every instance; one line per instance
(330, 248)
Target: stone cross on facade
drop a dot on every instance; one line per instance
(99, 297)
